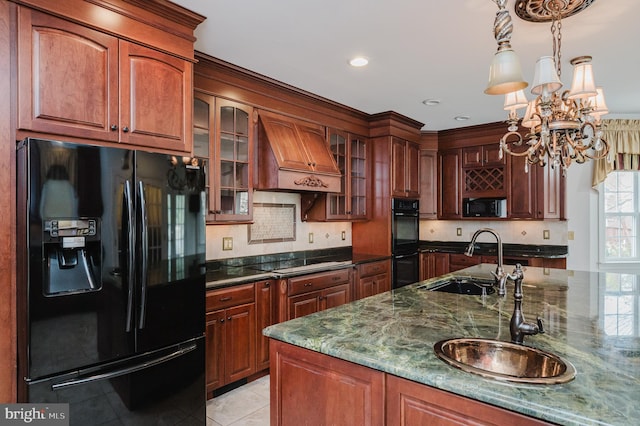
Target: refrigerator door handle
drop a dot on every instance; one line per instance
(145, 255)
(123, 371)
(130, 254)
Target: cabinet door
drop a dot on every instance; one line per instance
(522, 198)
(232, 166)
(214, 365)
(551, 198)
(240, 331)
(265, 316)
(304, 304)
(428, 185)
(366, 287)
(337, 207)
(336, 296)
(359, 177)
(317, 148)
(67, 78)
(398, 172)
(449, 201)
(155, 98)
(412, 170)
(280, 133)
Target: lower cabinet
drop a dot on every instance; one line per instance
(230, 335)
(265, 316)
(372, 278)
(433, 264)
(411, 403)
(307, 294)
(350, 394)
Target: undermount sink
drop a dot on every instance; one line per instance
(463, 285)
(505, 361)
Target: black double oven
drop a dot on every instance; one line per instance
(405, 239)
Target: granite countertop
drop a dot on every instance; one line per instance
(519, 250)
(395, 332)
(229, 275)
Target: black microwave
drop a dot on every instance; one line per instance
(484, 207)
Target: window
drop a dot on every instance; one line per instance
(621, 216)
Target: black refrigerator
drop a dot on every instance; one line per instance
(111, 283)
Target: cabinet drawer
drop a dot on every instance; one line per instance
(464, 261)
(373, 268)
(306, 283)
(223, 298)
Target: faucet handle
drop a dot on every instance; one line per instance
(540, 325)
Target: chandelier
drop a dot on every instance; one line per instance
(564, 126)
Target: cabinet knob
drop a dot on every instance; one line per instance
(221, 320)
(114, 127)
(125, 129)
(267, 284)
(226, 299)
(228, 318)
(308, 284)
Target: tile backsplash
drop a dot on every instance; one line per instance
(280, 230)
(512, 231)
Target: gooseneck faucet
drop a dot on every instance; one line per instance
(500, 276)
(518, 326)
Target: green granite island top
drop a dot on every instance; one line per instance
(591, 320)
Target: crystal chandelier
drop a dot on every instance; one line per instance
(564, 126)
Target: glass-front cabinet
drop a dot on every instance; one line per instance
(351, 155)
(223, 137)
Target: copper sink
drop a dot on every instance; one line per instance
(505, 361)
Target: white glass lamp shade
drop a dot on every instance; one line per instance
(505, 74)
(530, 120)
(545, 77)
(515, 100)
(583, 85)
(598, 103)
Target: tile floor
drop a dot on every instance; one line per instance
(247, 405)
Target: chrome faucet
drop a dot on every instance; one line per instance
(500, 276)
(518, 326)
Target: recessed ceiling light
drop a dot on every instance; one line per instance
(462, 118)
(431, 102)
(358, 61)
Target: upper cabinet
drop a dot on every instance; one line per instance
(428, 184)
(351, 153)
(80, 82)
(405, 175)
(294, 155)
(223, 135)
(470, 167)
(483, 172)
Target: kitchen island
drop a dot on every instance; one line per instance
(357, 354)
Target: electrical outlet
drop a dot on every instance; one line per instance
(570, 235)
(227, 243)
(545, 234)
(343, 235)
(310, 237)
(459, 232)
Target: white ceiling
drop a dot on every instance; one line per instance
(418, 49)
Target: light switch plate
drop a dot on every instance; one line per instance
(310, 237)
(227, 243)
(459, 232)
(570, 235)
(545, 234)
(343, 235)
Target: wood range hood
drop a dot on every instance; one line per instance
(294, 156)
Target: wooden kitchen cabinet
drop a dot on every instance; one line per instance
(428, 184)
(433, 264)
(405, 169)
(352, 155)
(224, 137)
(230, 335)
(307, 294)
(449, 170)
(410, 403)
(79, 82)
(372, 278)
(265, 316)
(483, 172)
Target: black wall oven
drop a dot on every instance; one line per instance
(405, 238)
